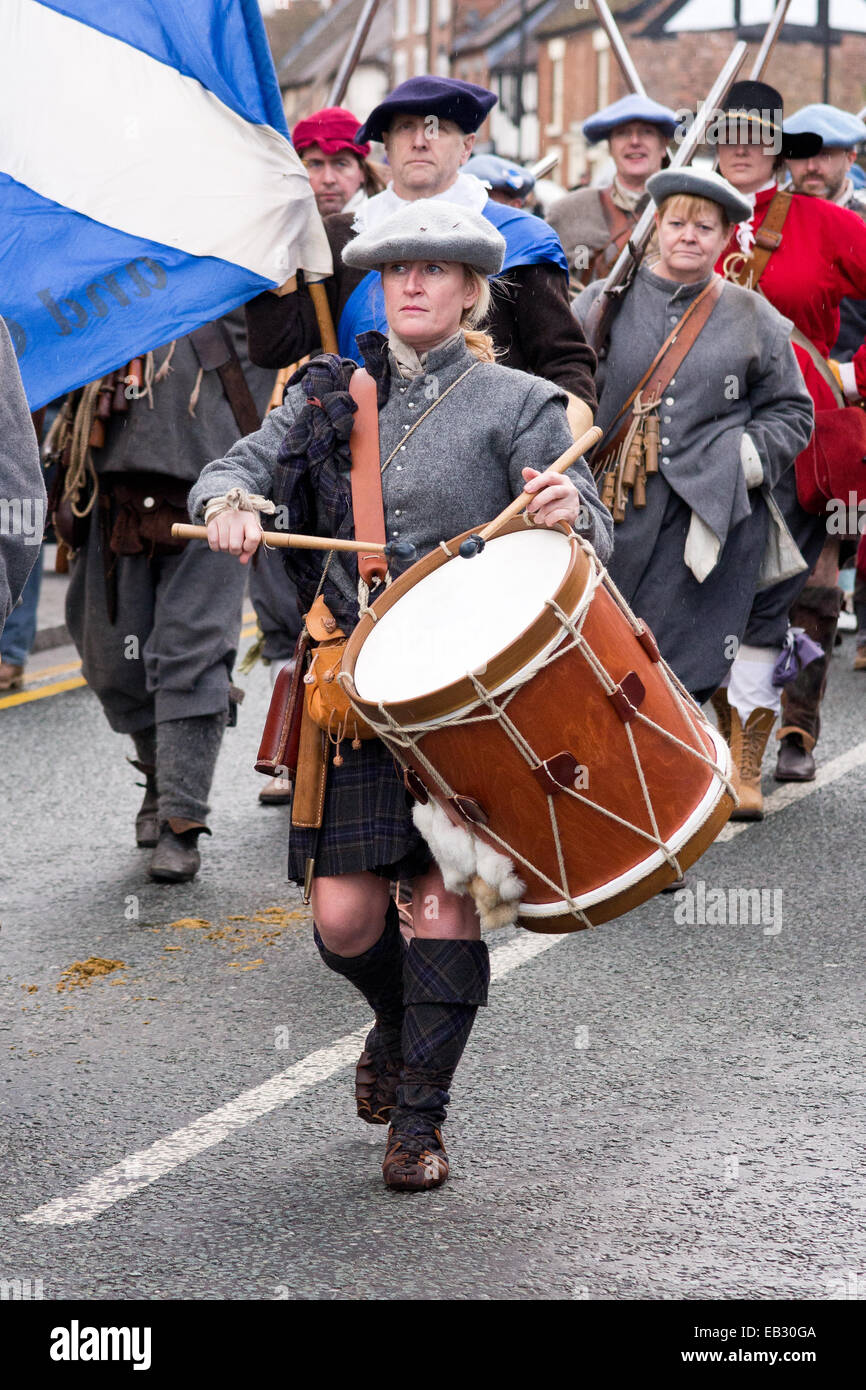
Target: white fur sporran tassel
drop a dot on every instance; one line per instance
(470, 866)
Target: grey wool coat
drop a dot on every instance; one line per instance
(457, 470)
(741, 376)
(22, 490)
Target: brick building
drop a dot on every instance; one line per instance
(678, 47)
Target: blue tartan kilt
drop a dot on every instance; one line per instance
(366, 821)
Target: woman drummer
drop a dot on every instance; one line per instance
(728, 423)
(485, 440)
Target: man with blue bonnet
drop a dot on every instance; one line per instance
(507, 182)
(428, 127)
(594, 224)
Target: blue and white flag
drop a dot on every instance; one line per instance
(147, 180)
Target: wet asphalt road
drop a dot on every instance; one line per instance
(652, 1110)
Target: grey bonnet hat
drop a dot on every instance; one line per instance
(700, 183)
(430, 229)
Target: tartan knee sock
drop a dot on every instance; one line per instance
(445, 982)
(378, 974)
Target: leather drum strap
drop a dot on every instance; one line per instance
(668, 359)
(366, 476)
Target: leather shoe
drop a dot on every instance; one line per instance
(10, 676)
(795, 763)
(176, 858)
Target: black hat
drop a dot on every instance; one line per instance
(758, 107)
(445, 97)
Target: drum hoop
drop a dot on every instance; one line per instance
(540, 636)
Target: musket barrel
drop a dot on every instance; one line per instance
(768, 43)
(617, 43)
(352, 54)
(636, 244)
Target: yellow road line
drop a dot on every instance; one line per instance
(39, 692)
(43, 671)
(56, 688)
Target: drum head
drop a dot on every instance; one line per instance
(457, 618)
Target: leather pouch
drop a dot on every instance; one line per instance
(278, 750)
(327, 703)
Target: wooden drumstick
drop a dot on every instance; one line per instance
(571, 455)
(290, 540)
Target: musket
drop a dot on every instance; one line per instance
(597, 325)
(768, 43)
(318, 294)
(617, 43)
(352, 54)
(542, 167)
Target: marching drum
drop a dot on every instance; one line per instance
(519, 692)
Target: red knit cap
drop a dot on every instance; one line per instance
(332, 130)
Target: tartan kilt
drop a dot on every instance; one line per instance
(366, 821)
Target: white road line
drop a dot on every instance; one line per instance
(141, 1169)
(791, 792)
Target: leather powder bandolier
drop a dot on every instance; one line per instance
(629, 452)
(746, 269)
(620, 225)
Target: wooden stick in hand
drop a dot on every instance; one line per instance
(286, 539)
(571, 455)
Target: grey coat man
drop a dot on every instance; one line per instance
(581, 225)
(739, 379)
(157, 625)
(22, 490)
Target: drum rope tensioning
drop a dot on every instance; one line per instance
(413, 740)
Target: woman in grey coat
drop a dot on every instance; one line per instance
(731, 422)
(486, 439)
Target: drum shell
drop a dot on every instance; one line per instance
(563, 708)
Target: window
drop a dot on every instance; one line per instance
(401, 19)
(443, 11)
(556, 54)
(601, 44)
(400, 66)
(420, 52)
(422, 16)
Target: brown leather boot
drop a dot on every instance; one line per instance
(376, 1078)
(415, 1162)
(747, 751)
(147, 820)
(719, 702)
(176, 858)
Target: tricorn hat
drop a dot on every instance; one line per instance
(756, 114)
